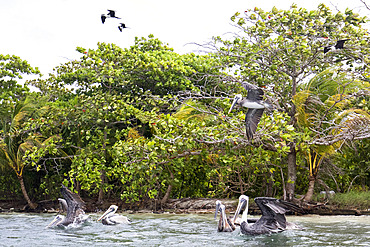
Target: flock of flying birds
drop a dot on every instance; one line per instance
(112, 14)
(272, 220)
(254, 100)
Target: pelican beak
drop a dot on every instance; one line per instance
(241, 205)
(224, 218)
(236, 98)
(105, 214)
(55, 222)
(218, 203)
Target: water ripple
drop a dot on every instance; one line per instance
(179, 230)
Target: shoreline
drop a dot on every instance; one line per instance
(175, 206)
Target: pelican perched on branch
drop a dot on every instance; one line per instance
(224, 224)
(255, 104)
(111, 218)
(273, 215)
(73, 204)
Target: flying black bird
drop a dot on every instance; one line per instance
(338, 45)
(103, 17)
(255, 106)
(112, 14)
(122, 26)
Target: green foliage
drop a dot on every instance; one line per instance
(11, 69)
(145, 122)
(354, 199)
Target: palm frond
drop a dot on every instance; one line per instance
(350, 114)
(191, 110)
(302, 115)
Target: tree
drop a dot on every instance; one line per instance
(117, 92)
(325, 112)
(17, 142)
(11, 69)
(281, 49)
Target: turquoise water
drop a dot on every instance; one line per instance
(179, 230)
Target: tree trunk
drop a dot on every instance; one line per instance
(101, 191)
(102, 172)
(25, 194)
(269, 185)
(311, 186)
(292, 172)
(169, 188)
(292, 155)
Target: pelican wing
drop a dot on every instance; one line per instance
(252, 118)
(70, 196)
(248, 86)
(74, 205)
(255, 94)
(270, 206)
(274, 210)
(120, 219)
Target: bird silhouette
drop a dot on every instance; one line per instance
(338, 45)
(112, 14)
(103, 18)
(122, 26)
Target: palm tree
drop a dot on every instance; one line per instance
(16, 143)
(322, 109)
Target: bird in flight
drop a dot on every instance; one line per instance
(338, 45)
(122, 26)
(103, 18)
(255, 104)
(112, 14)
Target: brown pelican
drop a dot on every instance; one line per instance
(273, 215)
(73, 204)
(338, 45)
(111, 218)
(224, 224)
(255, 106)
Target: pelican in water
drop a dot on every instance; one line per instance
(111, 218)
(273, 216)
(255, 104)
(73, 205)
(224, 224)
(227, 224)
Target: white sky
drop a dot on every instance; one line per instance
(47, 32)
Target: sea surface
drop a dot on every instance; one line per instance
(179, 230)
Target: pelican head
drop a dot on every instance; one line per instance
(111, 210)
(56, 221)
(237, 100)
(218, 204)
(242, 205)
